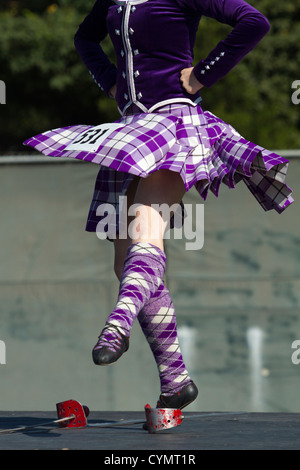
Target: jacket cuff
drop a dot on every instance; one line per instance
(208, 71)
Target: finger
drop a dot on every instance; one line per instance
(183, 77)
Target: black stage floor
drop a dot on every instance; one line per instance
(198, 431)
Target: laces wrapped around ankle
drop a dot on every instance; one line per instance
(110, 338)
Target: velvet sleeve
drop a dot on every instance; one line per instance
(87, 43)
(249, 27)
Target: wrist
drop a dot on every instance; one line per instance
(196, 82)
(112, 92)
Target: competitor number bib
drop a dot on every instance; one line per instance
(91, 139)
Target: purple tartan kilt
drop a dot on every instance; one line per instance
(205, 150)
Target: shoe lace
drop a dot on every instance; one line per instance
(110, 337)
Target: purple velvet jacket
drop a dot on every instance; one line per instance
(154, 41)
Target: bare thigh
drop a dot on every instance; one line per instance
(154, 200)
(147, 222)
(121, 245)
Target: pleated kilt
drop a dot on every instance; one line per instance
(203, 149)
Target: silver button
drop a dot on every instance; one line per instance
(136, 73)
(118, 32)
(123, 74)
(136, 52)
(125, 96)
(139, 95)
(119, 9)
(133, 9)
(131, 31)
(122, 53)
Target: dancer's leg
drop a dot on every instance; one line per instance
(142, 273)
(157, 318)
(144, 265)
(162, 188)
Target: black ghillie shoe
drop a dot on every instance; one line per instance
(110, 346)
(180, 399)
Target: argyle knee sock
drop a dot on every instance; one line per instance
(143, 272)
(158, 322)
